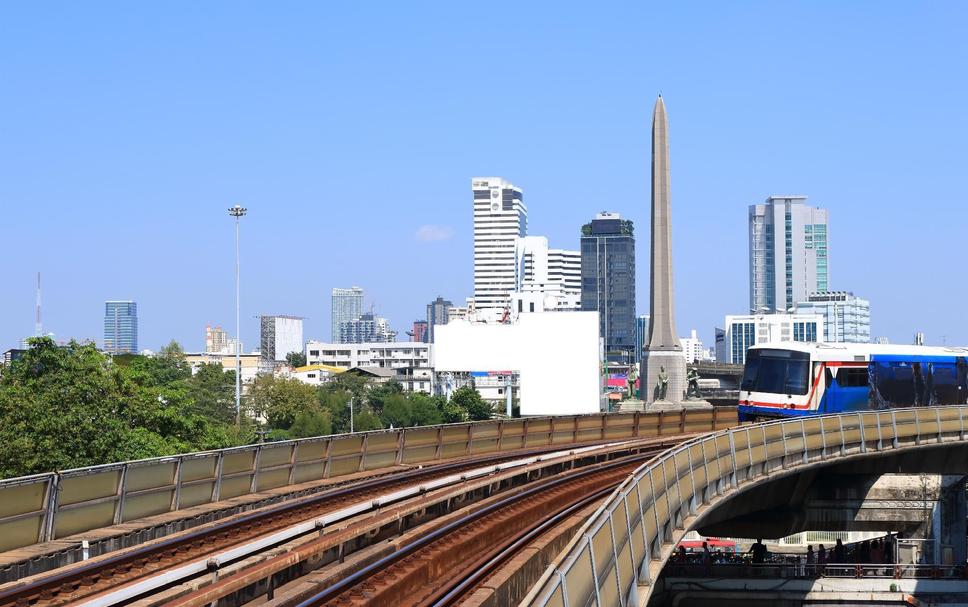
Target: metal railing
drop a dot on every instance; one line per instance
(619, 552)
(798, 568)
(60, 504)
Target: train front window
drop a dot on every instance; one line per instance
(776, 372)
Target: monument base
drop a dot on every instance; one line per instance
(630, 405)
(688, 405)
(674, 365)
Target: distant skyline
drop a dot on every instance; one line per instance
(351, 134)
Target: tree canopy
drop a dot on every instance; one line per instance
(71, 406)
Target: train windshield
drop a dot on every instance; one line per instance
(776, 371)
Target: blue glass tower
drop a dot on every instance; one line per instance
(121, 327)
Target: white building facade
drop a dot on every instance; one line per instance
(500, 218)
(692, 348)
(547, 280)
(280, 335)
(787, 253)
(394, 355)
(846, 317)
(743, 331)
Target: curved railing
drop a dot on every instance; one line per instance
(49, 506)
(619, 552)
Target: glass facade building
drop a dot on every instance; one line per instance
(121, 327)
(608, 282)
(846, 317)
(347, 306)
(788, 253)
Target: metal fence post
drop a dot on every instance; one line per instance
(863, 432)
(254, 485)
(179, 472)
(647, 556)
(217, 485)
(51, 501)
(119, 503)
(591, 554)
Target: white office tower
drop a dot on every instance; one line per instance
(500, 218)
(788, 253)
(280, 335)
(546, 279)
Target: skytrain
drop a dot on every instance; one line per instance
(796, 378)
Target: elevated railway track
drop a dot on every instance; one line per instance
(533, 474)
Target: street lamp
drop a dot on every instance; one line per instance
(237, 211)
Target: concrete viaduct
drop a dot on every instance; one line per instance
(756, 478)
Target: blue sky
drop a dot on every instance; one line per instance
(351, 132)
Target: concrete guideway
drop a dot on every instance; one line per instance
(618, 554)
(63, 508)
(541, 435)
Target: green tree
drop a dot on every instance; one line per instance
(469, 399)
(66, 407)
(426, 410)
(311, 423)
(296, 359)
(378, 394)
(366, 420)
(279, 400)
(397, 411)
(212, 392)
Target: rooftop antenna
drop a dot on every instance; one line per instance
(38, 326)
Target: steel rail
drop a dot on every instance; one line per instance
(51, 584)
(363, 574)
(456, 590)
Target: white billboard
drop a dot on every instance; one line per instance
(555, 353)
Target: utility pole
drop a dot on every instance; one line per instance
(237, 211)
(351, 415)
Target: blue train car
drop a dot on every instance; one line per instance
(793, 379)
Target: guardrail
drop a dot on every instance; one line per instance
(60, 504)
(617, 555)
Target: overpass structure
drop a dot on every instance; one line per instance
(443, 513)
(617, 556)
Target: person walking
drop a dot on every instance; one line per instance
(810, 561)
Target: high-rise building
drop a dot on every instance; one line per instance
(641, 336)
(121, 327)
(745, 330)
(788, 253)
(721, 348)
(280, 335)
(347, 306)
(419, 331)
(692, 348)
(608, 282)
(846, 317)
(217, 341)
(500, 218)
(438, 313)
(549, 279)
(366, 329)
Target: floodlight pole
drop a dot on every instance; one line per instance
(237, 211)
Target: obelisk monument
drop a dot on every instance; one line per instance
(663, 364)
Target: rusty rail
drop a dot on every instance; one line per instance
(57, 505)
(90, 578)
